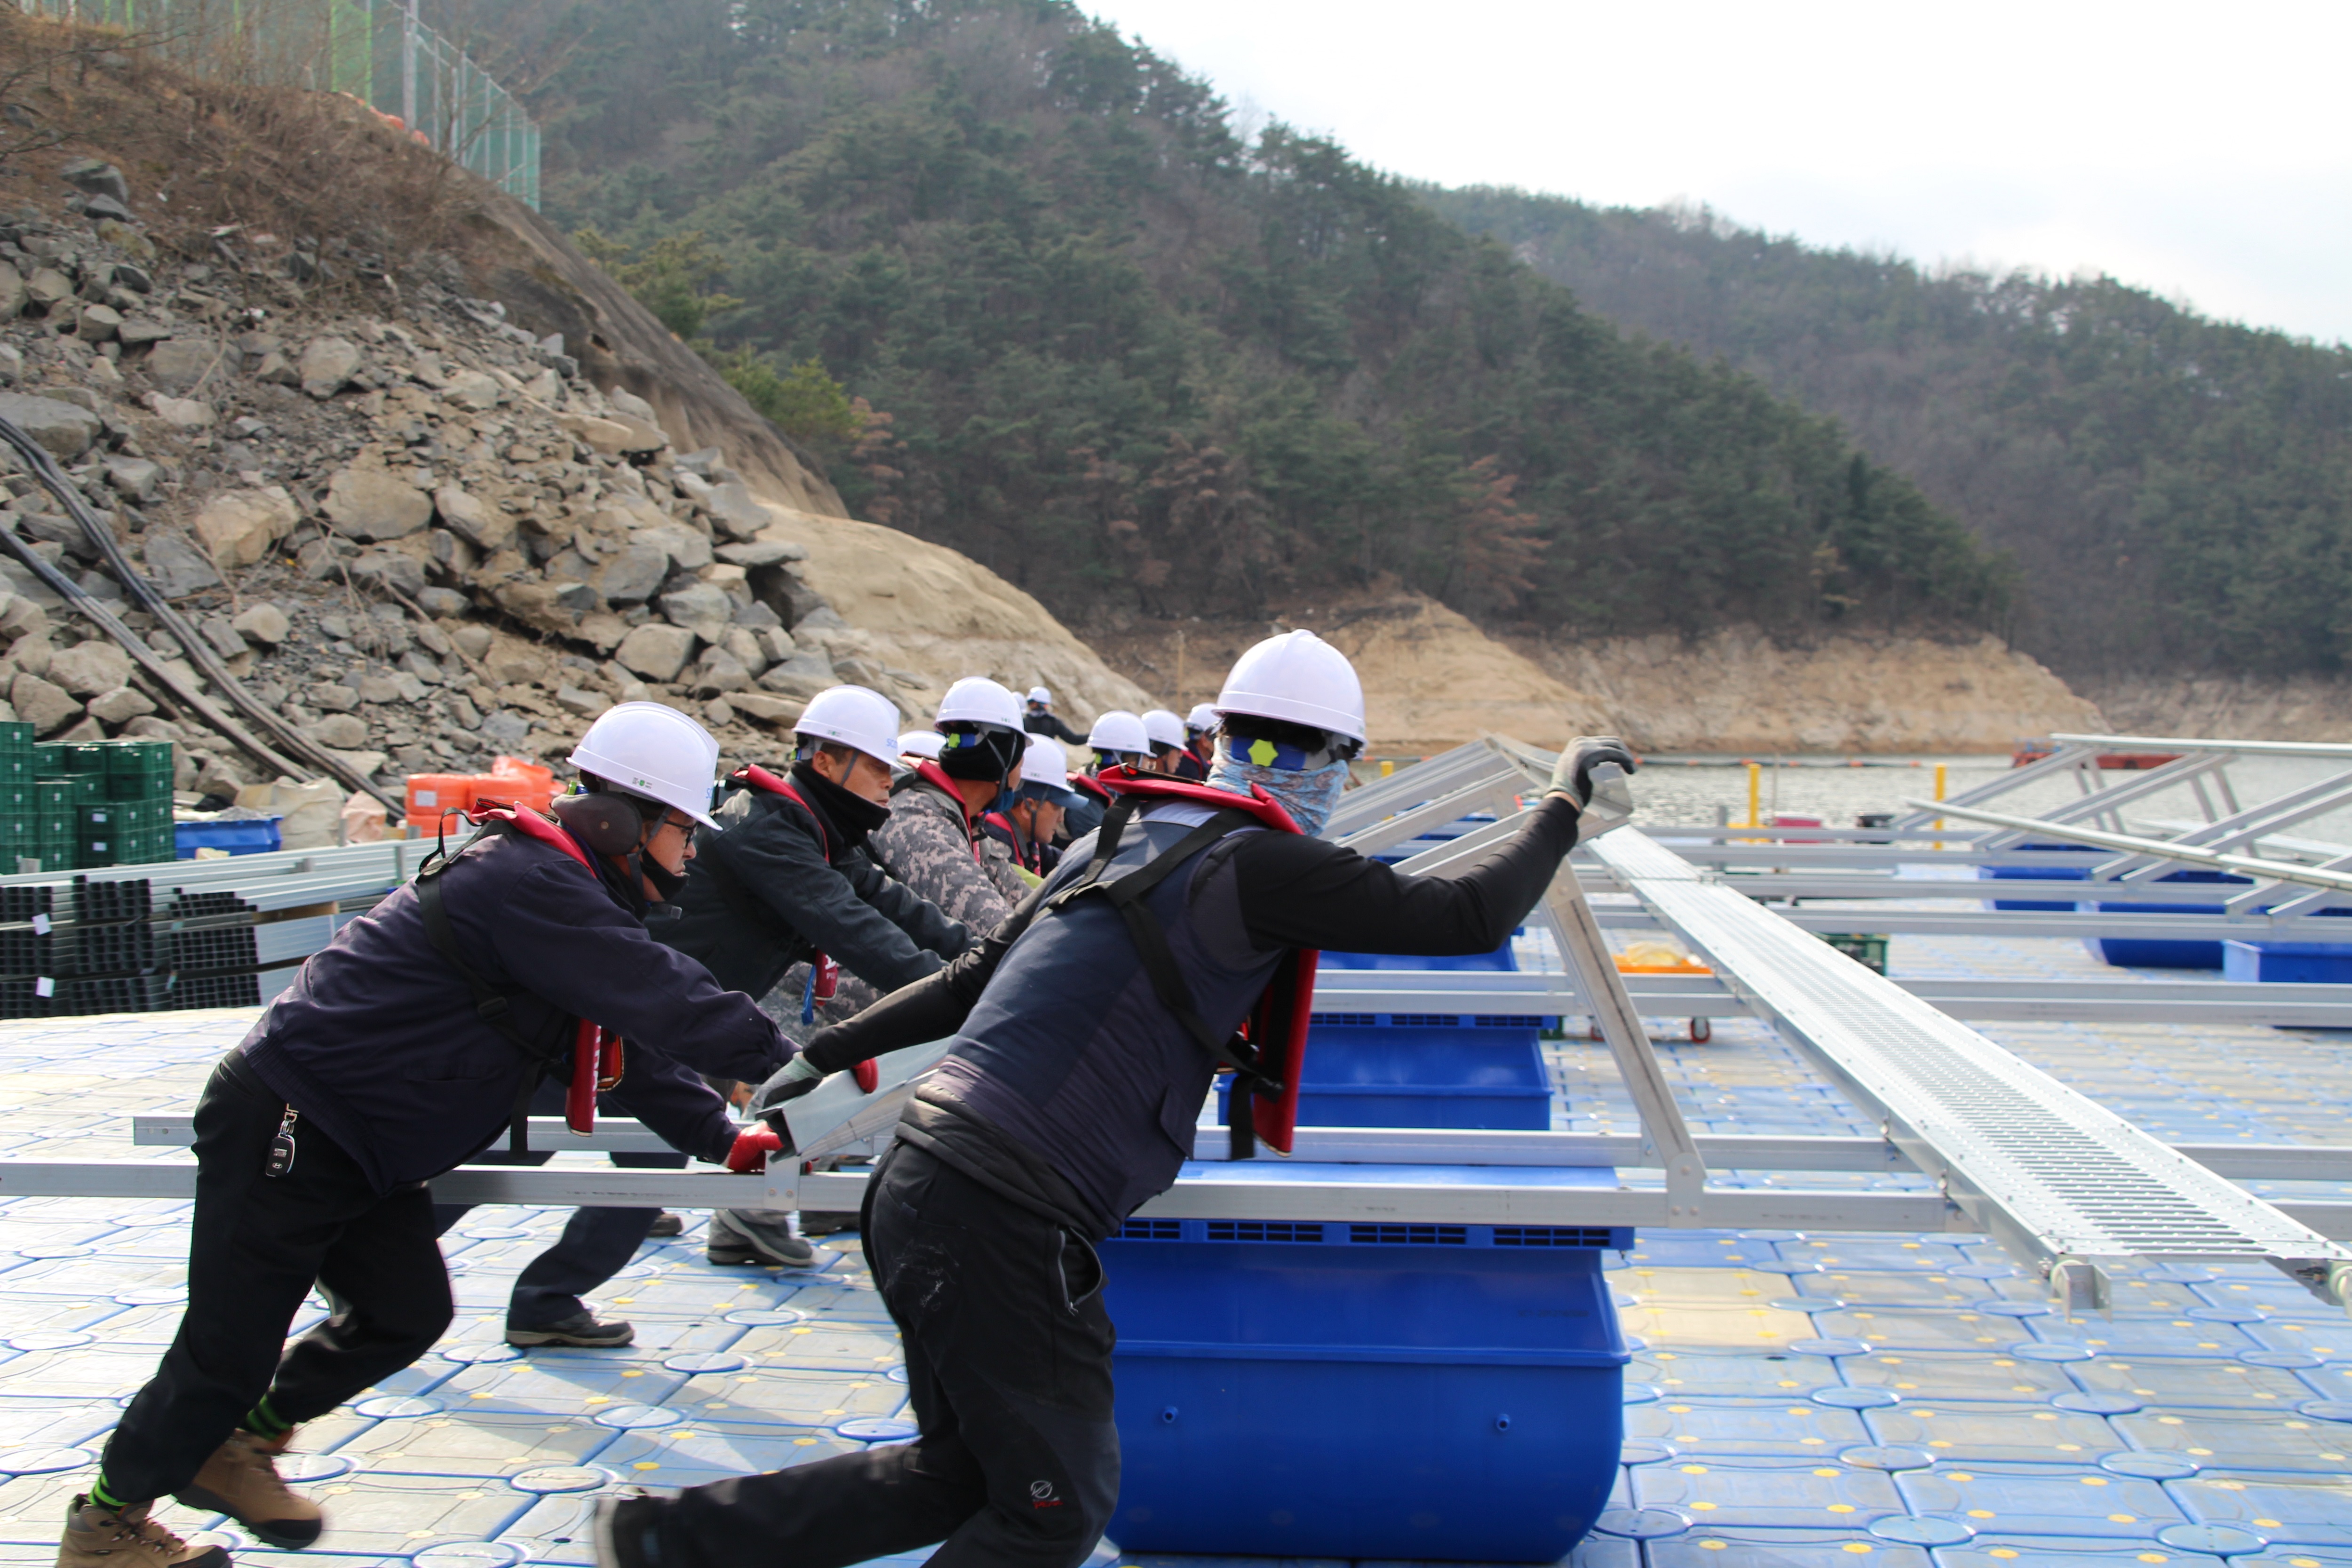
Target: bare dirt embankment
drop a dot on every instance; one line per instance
(2235, 708)
(1433, 679)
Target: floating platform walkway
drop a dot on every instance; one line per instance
(2060, 1283)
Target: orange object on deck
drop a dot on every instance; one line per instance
(511, 781)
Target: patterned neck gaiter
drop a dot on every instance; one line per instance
(1308, 795)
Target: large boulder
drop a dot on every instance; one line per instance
(237, 527)
(44, 706)
(735, 512)
(176, 364)
(176, 568)
(340, 731)
(368, 503)
(120, 705)
(472, 518)
(63, 430)
(327, 365)
(701, 607)
(474, 391)
(654, 651)
(264, 623)
(633, 572)
(686, 549)
(608, 436)
(87, 669)
(805, 674)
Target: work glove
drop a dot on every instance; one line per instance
(1572, 774)
(749, 1157)
(789, 1082)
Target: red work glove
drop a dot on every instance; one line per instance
(867, 1074)
(752, 1147)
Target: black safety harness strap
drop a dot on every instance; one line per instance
(1126, 895)
(492, 1005)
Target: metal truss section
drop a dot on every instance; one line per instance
(2055, 1177)
(1425, 780)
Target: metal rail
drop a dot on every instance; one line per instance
(2170, 850)
(2059, 1180)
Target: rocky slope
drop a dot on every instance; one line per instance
(425, 525)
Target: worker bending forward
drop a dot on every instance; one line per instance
(1085, 1033)
(401, 1049)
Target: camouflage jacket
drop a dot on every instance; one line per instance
(927, 846)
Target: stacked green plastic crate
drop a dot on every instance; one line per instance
(101, 802)
(19, 815)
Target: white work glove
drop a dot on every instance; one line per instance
(1591, 772)
(789, 1082)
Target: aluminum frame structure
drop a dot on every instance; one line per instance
(2066, 1186)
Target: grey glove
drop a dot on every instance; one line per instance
(789, 1082)
(1572, 774)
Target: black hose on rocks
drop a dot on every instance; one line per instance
(36, 459)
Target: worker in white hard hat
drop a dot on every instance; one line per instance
(932, 841)
(1165, 731)
(921, 745)
(1199, 743)
(1084, 1036)
(786, 877)
(1117, 740)
(1027, 824)
(1039, 719)
(405, 1048)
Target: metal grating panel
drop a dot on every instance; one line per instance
(2075, 1177)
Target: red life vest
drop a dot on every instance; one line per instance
(1276, 1025)
(1087, 783)
(597, 1059)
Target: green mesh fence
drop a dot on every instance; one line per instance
(378, 53)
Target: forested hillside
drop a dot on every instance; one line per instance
(1026, 292)
(2177, 490)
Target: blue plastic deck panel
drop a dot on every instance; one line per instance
(1309, 1389)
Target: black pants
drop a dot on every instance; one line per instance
(596, 1244)
(256, 1246)
(1008, 1367)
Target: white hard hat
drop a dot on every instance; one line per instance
(1299, 678)
(654, 750)
(1120, 731)
(861, 720)
(1039, 694)
(1045, 763)
(1203, 718)
(1164, 729)
(979, 701)
(920, 744)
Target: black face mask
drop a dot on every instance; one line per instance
(852, 815)
(665, 882)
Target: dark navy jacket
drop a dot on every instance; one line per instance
(378, 1043)
(778, 883)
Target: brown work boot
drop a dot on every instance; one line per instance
(240, 1481)
(98, 1536)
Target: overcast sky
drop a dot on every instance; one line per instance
(2205, 152)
